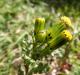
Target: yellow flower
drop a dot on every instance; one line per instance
(66, 20)
(67, 35)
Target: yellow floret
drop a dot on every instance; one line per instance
(67, 35)
(66, 20)
(40, 20)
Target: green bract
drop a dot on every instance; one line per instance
(54, 31)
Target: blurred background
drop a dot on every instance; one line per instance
(16, 34)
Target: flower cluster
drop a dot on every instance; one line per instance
(54, 36)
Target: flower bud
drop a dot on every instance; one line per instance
(39, 31)
(41, 36)
(62, 38)
(39, 24)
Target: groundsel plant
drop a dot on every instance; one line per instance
(51, 38)
(45, 41)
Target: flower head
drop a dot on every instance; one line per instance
(66, 35)
(66, 20)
